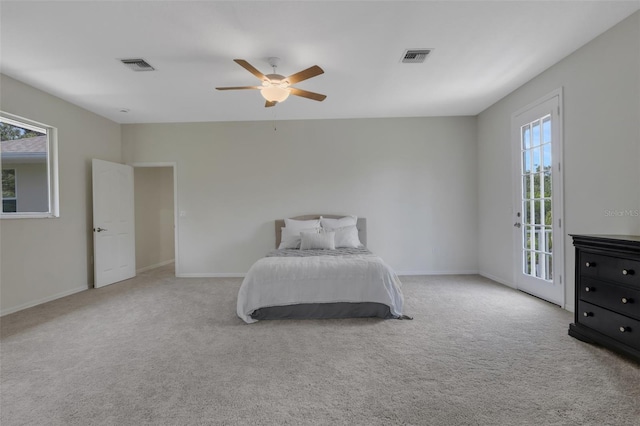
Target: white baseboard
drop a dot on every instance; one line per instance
(157, 265)
(43, 300)
(212, 275)
(496, 279)
(242, 274)
(567, 306)
(431, 272)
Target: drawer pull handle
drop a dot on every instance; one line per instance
(625, 300)
(624, 329)
(588, 289)
(627, 272)
(588, 314)
(590, 264)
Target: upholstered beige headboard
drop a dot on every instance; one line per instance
(361, 224)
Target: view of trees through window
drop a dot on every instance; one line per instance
(10, 132)
(536, 198)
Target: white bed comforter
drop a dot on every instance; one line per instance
(280, 281)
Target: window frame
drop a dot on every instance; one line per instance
(52, 167)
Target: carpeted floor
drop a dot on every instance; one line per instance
(160, 350)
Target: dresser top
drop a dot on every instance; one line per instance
(627, 243)
(629, 238)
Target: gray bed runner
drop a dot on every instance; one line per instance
(309, 253)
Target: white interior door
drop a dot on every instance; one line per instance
(539, 239)
(113, 223)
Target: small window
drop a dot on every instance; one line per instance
(29, 168)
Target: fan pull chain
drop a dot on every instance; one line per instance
(275, 117)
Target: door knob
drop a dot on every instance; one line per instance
(98, 229)
(517, 224)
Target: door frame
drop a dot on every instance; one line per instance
(557, 196)
(176, 222)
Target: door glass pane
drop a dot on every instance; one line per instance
(536, 170)
(535, 133)
(538, 234)
(536, 159)
(528, 240)
(546, 129)
(526, 261)
(548, 268)
(526, 186)
(526, 137)
(547, 211)
(546, 155)
(526, 161)
(539, 212)
(530, 262)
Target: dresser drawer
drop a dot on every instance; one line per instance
(616, 326)
(609, 268)
(618, 298)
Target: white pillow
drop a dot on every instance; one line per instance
(314, 240)
(290, 238)
(338, 223)
(347, 236)
(295, 224)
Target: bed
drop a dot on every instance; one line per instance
(303, 280)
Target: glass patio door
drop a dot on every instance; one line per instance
(538, 201)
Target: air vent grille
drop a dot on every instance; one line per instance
(415, 56)
(137, 64)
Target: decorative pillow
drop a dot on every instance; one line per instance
(290, 239)
(338, 223)
(298, 225)
(314, 240)
(347, 236)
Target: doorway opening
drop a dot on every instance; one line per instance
(155, 194)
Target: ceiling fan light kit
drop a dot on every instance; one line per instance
(276, 88)
(274, 93)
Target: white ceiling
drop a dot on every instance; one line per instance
(482, 51)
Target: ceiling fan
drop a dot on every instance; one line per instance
(276, 88)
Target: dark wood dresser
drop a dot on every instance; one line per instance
(608, 292)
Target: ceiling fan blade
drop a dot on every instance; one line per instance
(269, 104)
(238, 88)
(305, 94)
(305, 74)
(246, 65)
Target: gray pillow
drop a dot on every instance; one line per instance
(314, 240)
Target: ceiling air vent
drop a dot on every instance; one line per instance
(415, 56)
(137, 64)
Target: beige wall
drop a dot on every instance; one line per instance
(412, 178)
(601, 83)
(154, 216)
(42, 259)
